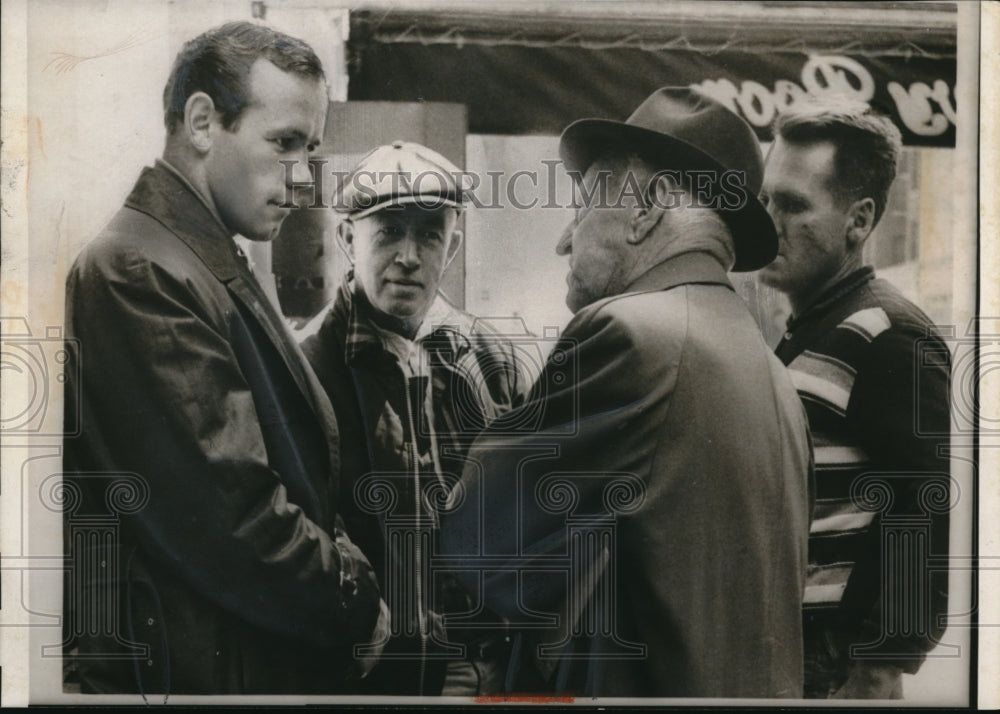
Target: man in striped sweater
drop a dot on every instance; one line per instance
(873, 374)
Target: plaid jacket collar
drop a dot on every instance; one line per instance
(362, 338)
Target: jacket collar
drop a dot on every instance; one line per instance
(161, 192)
(362, 337)
(684, 269)
(833, 295)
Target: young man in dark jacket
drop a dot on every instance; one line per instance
(207, 553)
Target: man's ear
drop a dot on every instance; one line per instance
(860, 221)
(453, 246)
(199, 112)
(661, 195)
(345, 237)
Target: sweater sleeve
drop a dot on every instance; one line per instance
(900, 413)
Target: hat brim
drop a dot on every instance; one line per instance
(429, 202)
(754, 237)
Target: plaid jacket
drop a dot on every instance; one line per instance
(409, 436)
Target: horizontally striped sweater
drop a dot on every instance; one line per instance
(873, 375)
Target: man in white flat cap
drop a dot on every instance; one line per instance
(412, 379)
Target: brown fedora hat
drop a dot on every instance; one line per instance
(681, 128)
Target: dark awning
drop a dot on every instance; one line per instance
(535, 74)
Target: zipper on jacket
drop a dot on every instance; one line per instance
(417, 549)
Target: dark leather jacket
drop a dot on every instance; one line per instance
(201, 523)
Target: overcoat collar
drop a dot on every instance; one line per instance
(687, 268)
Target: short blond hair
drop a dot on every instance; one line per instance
(868, 144)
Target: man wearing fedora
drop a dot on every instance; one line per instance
(412, 379)
(679, 437)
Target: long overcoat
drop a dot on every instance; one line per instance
(643, 519)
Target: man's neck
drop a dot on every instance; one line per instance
(179, 165)
(705, 239)
(405, 327)
(802, 302)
